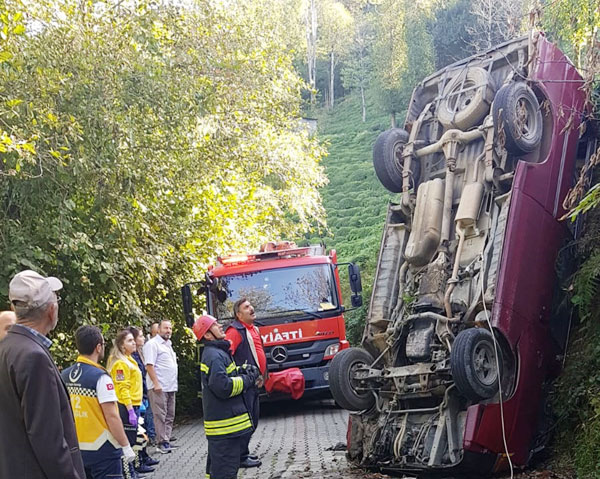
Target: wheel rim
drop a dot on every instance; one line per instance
(484, 363)
(415, 172)
(458, 100)
(398, 146)
(526, 118)
(353, 383)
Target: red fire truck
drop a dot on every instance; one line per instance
(297, 297)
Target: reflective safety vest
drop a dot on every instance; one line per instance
(225, 413)
(81, 380)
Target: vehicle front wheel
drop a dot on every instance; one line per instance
(343, 387)
(473, 364)
(388, 161)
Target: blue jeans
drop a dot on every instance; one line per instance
(149, 421)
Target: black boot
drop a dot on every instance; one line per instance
(248, 462)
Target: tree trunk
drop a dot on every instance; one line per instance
(331, 80)
(364, 107)
(311, 48)
(393, 119)
(490, 26)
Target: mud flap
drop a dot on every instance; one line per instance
(355, 438)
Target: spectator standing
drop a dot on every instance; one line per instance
(128, 385)
(7, 319)
(38, 438)
(247, 348)
(144, 462)
(161, 366)
(100, 431)
(149, 415)
(226, 420)
(153, 330)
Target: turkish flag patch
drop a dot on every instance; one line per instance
(120, 375)
(110, 386)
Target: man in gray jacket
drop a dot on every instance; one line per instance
(38, 439)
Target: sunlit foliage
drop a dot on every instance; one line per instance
(138, 142)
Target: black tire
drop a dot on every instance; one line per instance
(342, 366)
(463, 109)
(388, 163)
(518, 117)
(473, 364)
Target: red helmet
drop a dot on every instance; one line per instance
(202, 325)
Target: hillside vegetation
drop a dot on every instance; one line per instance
(354, 199)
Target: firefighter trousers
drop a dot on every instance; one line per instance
(223, 460)
(251, 399)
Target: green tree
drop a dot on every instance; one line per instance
(403, 52)
(357, 69)
(143, 142)
(337, 29)
(575, 24)
(451, 40)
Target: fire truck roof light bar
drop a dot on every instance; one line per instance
(268, 255)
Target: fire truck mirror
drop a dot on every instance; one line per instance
(356, 300)
(355, 285)
(221, 295)
(354, 277)
(188, 308)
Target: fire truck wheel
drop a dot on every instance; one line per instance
(466, 99)
(341, 382)
(388, 163)
(473, 364)
(517, 118)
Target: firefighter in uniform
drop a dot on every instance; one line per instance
(102, 439)
(247, 348)
(227, 422)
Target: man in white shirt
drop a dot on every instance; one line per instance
(161, 366)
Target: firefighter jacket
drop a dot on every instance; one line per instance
(225, 413)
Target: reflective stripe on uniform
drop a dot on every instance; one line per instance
(226, 422)
(238, 386)
(204, 368)
(229, 430)
(227, 426)
(230, 368)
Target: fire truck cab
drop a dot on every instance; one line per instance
(297, 297)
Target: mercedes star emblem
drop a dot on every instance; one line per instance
(279, 354)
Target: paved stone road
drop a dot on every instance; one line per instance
(292, 441)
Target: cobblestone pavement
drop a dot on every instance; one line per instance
(294, 439)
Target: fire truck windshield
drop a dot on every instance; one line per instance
(276, 293)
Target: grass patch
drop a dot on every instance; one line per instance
(354, 200)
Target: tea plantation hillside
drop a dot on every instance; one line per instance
(354, 199)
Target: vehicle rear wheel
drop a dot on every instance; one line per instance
(518, 118)
(473, 364)
(466, 99)
(343, 366)
(388, 163)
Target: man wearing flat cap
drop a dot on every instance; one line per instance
(38, 439)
